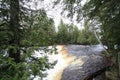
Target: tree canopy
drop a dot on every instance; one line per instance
(22, 31)
(70, 34)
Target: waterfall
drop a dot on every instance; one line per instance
(75, 62)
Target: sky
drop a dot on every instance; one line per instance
(55, 13)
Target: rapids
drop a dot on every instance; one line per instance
(75, 62)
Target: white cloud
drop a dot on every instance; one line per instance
(55, 12)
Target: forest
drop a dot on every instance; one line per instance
(23, 30)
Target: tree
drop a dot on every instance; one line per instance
(62, 34)
(20, 32)
(41, 30)
(70, 34)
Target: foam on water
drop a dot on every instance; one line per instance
(66, 56)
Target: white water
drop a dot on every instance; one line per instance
(67, 54)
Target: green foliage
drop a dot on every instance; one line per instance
(107, 13)
(70, 34)
(22, 31)
(40, 31)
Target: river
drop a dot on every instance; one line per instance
(75, 62)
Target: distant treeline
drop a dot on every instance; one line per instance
(40, 31)
(70, 34)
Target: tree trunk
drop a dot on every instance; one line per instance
(14, 26)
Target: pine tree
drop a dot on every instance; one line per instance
(20, 33)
